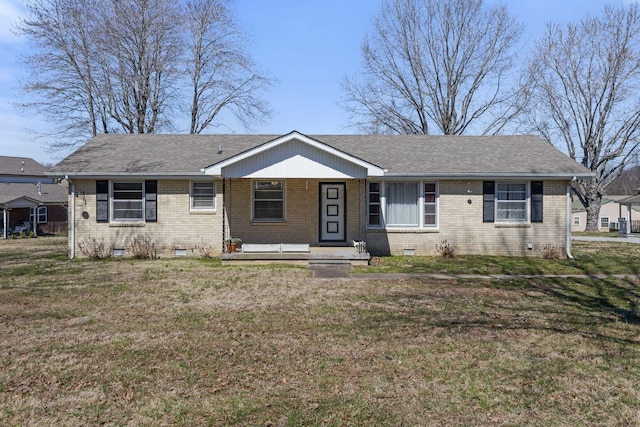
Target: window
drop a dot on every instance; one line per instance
(518, 202)
(576, 220)
(40, 214)
(430, 204)
(203, 195)
(604, 222)
(402, 204)
(268, 201)
(511, 202)
(374, 204)
(127, 201)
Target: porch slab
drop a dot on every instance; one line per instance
(346, 256)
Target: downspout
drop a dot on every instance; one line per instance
(224, 209)
(359, 181)
(366, 219)
(568, 222)
(72, 223)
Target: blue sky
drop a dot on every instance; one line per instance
(307, 45)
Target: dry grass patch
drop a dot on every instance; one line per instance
(187, 342)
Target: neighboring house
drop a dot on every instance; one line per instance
(503, 195)
(28, 197)
(608, 219)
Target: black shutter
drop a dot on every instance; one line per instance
(151, 201)
(102, 201)
(536, 201)
(488, 197)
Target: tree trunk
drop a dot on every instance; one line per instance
(593, 198)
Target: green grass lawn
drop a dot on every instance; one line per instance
(589, 258)
(188, 342)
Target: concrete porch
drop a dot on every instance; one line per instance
(297, 255)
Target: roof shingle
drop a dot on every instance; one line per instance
(20, 166)
(401, 155)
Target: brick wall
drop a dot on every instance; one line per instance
(460, 223)
(177, 227)
(301, 210)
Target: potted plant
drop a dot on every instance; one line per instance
(233, 244)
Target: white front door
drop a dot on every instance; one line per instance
(332, 212)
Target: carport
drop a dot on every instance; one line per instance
(10, 203)
(634, 225)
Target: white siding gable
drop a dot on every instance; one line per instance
(294, 159)
(294, 156)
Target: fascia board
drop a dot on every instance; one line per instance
(493, 176)
(124, 175)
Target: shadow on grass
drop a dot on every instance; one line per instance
(593, 308)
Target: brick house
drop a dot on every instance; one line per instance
(30, 200)
(502, 195)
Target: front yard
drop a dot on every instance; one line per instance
(188, 342)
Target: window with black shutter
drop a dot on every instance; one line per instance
(488, 197)
(536, 201)
(102, 201)
(151, 201)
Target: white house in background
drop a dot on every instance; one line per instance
(609, 218)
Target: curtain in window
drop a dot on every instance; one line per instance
(402, 203)
(202, 195)
(511, 199)
(128, 201)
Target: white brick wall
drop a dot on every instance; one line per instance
(177, 227)
(460, 222)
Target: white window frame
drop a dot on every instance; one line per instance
(526, 202)
(377, 203)
(192, 198)
(436, 203)
(283, 200)
(112, 200)
(39, 213)
(576, 220)
(420, 205)
(602, 220)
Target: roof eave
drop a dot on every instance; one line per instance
(119, 175)
(493, 176)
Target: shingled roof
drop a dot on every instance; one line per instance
(43, 193)
(20, 166)
(400, 155)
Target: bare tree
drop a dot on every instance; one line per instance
(140, 53)
(62, 67)
(122, 66)
(585, 81)
(628, 183)
(433, 66)
(222, 74)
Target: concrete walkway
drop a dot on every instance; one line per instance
(631, 239)
(444, 276)
(343, 272)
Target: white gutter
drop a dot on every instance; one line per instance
(568, 225)
(72, 224)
